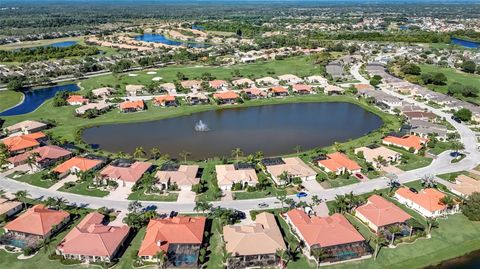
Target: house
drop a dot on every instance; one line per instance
(335, 69)
(134, 90)
(334, 234)
(132, 106)
(255, 244)
(379, 214)
(193, 85)
(427, 202)
(77, 164)
(183, 175)
(23, 143)
(25, 127)
(302, 89)
(76, 100)
(169, 88)
(48, 155)
(227, 97)
(464, 186)
(378, 155)
(93, 241)
(409, 142)
(292, 166)
(266, 81)
(165, 100)
(339, 163)
(102, 92)
(332, 89)
(289, 78)
(229, 174)
(244, 83)
(218, 84)
(254, 93)
(102, 106)
(124, 172)
(278, 91)
(9, 208)
(317, 80)
(364, 87)
(419, 115)
(36, 224)
(196, 98)
(424, 129)
(180, 238)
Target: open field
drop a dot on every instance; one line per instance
(37, 43)
(9, 99)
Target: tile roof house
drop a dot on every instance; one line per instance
(37, 223)
(426, 202)
(464, 186)
(333, 89)
(22, 143)
(364, 87)
(102, 92)
(169, 88)
(127, 174)
(317, 79)
(196, 98)
(227, 97)
(255, 244)
(49, 155)
(77, 164)
(294, 167)
(184, 176)
(191, 84)
(76, 100)
(218, 84)
(164, 100)
(289, 78)
(419, 115)
(378, 213)
(179, 237)
(406, 142)
(229, 174)
(278, 91)
(371, 155)
(302, 89)
(255, 93)
(266, 81)
(334, 234)
(26, 127)
(9, 208)
(92, 240)
(244, 82)
(132, 106)
(339, 163)
(101, 106)
(134, 90)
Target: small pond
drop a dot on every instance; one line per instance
(157, 38)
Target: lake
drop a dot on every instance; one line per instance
(465, 43)
(35, 98)
(273, 129)
(63, 44)
(157, 38)
(469, 261)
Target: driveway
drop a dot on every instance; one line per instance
(59, 184)
(120, 193)
(186, 196)
(392, 170)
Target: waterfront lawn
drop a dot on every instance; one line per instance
(209, 176)
(141, 196)
(82, 189)
(9, 99)
(216, 251)
(38, 43)
(32, 179)
(128, 258)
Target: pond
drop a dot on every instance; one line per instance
(465, 43)
(63, 44)
(35, 98)
(273, 129)
(157, 38)
(469, 261)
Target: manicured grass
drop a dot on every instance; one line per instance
(339, 182)
(128, 258)
(440, 147)
(454, 175)
(82, 189)
(270, 192)
(413, 161)
(37, 43)
(216, 247)
(9, 99)
(209, 176)
(33, 179)
(140, 195)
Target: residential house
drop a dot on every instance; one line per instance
(419, 115)
(103, 92)
(379, 214)
(427, 202)
(169, 88)
(25, 127)
(76, 100)
(409, 142)
(196, 98)
(292, 166)
(278, 91)
(333, 234)
(92, 240)
(464, 186)
(180, 238)
(302, 89)
(165, 100)
(424, 129)
(183, 175)
(266, 81)
(227, 97)
(378, 155)
(192, 85)
(338, 163)
(254, 93)
(219, 85)
(244, 83)
(134, 90)
(230, 174)
(101, 106)
(132, 106)
(77, 164)
(333, 89)
(48, 155)
(9, 208)
(125, 173)
(255, 244)
(23, 143)
(290, 79)
(317, 80)
(364, 87)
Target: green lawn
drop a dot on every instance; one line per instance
(216, 247)
(9, 99)
(33, 179)
(209, 176)
(82, 189)
(128, 258)
(140, 195)
(38, 43)
(453, 176)
(440, 147)
(339, 182)
(413, 161)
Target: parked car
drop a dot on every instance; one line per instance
(359, 176)
(456, 119)
(301, 194)
(413, 190)
(173, 214)
(263, 205)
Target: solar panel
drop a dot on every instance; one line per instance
(272, 161)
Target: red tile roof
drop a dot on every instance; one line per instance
(76, 99)
(226, 95)
(381, 212)
(429, 198)
(408, 141)
(132, 105)
(163, 98)
(302, 87)
(132, 173)
(83, 164)
(217, 83)
(37, 220)
(325, 231)
(16, 143)
(339, 160)
(92, 237)
(279, 89)
(46, 152)
(178, 230)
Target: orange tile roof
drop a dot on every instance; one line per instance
(254, 91)
(381, 212)
(132, 104)
(278, 89)
(177, 230)
(226, 95)
(45, 152)
(83, 164)
(76, 99)
(302, 87)
(325, 231)
(92, 237)
(37, 220)
(364, 87)
(163, 98)
(132, 173)
(426, 198)
(16, 143)
(217, 83)
(409, 141)
(339, 160)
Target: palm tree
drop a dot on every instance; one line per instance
(394, 229)
(237, 152)
(161, 258)
(184, 154)
(338, 147)
(22, 197)
(297, 149)
(457, 146)
(139, 152)
(282, 199)
(32, 160)
(379, 241)
(284, 257)
(428, 181)
(413, 223)
(431, 223)
(50, 202)
(319, 253)
(155, 153)
(202, 206)
(259, 155)
(61, 202)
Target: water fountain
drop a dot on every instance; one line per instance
(200, 126)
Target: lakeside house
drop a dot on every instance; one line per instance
(125, 173)
(409, 142)
(23, 143)
(255, 244)
(317, 80)
(230, 174)
(165, 100)
(419, 115)
(266, 81)
(183, 175)
(302, 89)
(338, 163)
(464, 186)
(76, 100)
(278, 91)
(134, 90)
(292, 166)
(378, 155)
(379, 214)
(227, 97)
(334, 234)
(254, 93)
(218, 84)
(103, 92)
(427, 202)
(34, 225)
(333, 89)
(424, 129)
(290, 79)
(180, 238)
(132, 106)
(48, 155)
(196, 98)
(243, 83)
(25, 127)
(101, 106)
(9, 208)
(93, 241)
(77, 164)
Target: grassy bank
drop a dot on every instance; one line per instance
(9, 99)
(37, 43)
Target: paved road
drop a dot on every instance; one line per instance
(442, 164)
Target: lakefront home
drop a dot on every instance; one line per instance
(408, 142)
(427, 202)
(278, 91)
(47, 155)
(378, 155)
(165, 100)
(77, 100)
(229, 174)
(25, 127)
(23, 143)
(132, 106)
(227, 97)
(338, 163)
(183, 175)
(302, 89)
(292, 167)
(125, 173)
